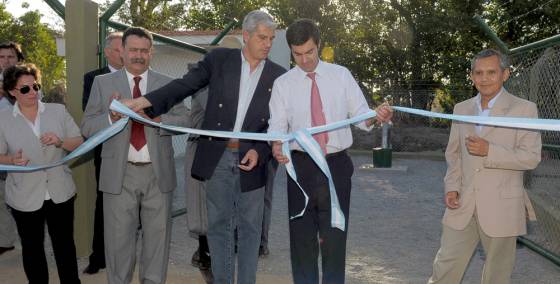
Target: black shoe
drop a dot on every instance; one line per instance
(5, 249)
(205, 261)
(195, 259)
(263, 251)
(93, 268)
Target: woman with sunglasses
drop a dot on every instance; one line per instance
(36, 133)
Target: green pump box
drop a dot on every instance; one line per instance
(382, 157)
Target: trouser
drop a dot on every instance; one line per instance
(141, 203)
(31, 228)
(229, 208)
(195, 194)
(457, 248)
(97, 256)
(268, 192)
(313, 232)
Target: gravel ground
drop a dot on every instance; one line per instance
(393, 236)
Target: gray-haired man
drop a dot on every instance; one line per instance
(240, 82)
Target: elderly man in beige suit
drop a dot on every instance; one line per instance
(484, 191)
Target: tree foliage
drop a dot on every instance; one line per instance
(398, 47)
(38, 44)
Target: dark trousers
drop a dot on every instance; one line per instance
(313, 232)
(97, 257)
(31, 228)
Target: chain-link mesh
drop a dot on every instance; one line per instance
(173, 62)
(536, 76)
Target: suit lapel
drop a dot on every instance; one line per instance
(472, 110)
(232, 77)
(121, 81)
(152, 81)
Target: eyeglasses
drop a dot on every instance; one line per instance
(25, 89)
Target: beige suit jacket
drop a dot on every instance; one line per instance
(492, 185)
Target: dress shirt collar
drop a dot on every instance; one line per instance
(111, 68)
(491, 103)
(16, 110)
(245, 61)
(130, 77)
(319, 70)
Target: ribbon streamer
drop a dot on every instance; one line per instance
(303, 137)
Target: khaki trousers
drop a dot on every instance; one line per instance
(457, 248)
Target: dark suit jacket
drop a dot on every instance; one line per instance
(220, 70)
(88, 82)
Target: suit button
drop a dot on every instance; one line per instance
(262, 119)
(269, 89)
(219, 124)
(209, 138)
(220, 105)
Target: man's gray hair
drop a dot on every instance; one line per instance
(258, 17)
(504, 61)
(111, 37)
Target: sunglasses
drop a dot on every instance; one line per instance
(25, 89)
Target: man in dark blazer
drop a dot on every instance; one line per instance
(240, 82)
(112, 50)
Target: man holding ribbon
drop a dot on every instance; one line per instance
(316, 93)
(484, 194)
(239, 86)
(137, 167)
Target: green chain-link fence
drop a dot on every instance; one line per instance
(536, 77)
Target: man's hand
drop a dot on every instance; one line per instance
(143, 114)
(452, 200)
(476, 146)
(249, 161)
(384, 114)
(18, 159)
(277, 153)
(115, 115)
(136, 104)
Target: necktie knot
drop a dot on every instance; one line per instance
(311, 75)
(137, 80)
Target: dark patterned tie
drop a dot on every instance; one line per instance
(137, 137)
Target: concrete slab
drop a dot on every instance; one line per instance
(394, 234)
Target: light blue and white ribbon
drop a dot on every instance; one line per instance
(304, 137)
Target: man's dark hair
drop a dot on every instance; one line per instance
(300, 31)
(13, 73)
(139, 32)
(15, 46)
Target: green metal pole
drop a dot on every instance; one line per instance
(103, 28)
(162, 38)
(551, 147)
(553, 40)
(540, 250)
(491, 34)
(102, 35)
(224, 32)
(111, 10)
(57, 7)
